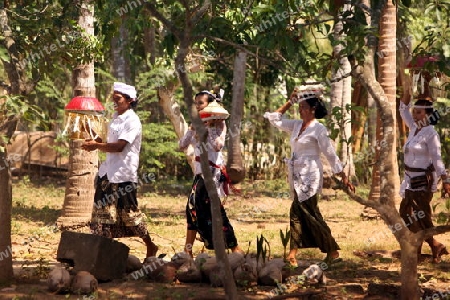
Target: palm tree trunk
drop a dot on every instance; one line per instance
(235, 166)
(374, 132)
(83, 165)
(388, 73)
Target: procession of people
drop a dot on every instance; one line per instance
(309, 138)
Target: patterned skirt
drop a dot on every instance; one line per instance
(116, 213)
(199, 218)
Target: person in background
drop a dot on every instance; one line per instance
(423, 168)
(308, 139)
(198, 207)
(116, 213)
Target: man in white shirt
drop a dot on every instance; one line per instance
(116, 213)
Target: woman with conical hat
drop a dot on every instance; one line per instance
(198, 207)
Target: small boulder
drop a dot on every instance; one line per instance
(236, 259)
(181, 258)
(133, 264)
(188, 272)
(84, 283)
(245, 275)
(159, 270)
(315, 274)
(270, 275)
(59, 280)
(201, 259)
(216, 276)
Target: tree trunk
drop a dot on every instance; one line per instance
(409, 288)
(235, 166)
(120, 57)
(149, 37)
(218, 238)
(19, 85)
(83, 165)
(172, 111)
(409, 242)
(388, 73)
(359, 98)
(341, 95)
(184, 37)
(6, 268)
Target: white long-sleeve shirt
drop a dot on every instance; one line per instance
(214, 144)
(420, 150)
(305, 166)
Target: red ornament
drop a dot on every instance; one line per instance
(81, 103)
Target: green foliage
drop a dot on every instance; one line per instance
(19, 106)
(287, 42)
(262, 245)
(159, 145)
(285, 239)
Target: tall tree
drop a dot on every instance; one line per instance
(83, 166)
(383, 95)
(235, 165)
(19, 85)
(341, 87)
(185, 38)
(387, 70)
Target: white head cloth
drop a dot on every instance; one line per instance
(125, 89)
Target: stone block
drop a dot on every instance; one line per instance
(104, 258)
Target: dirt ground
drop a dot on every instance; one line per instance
(261, 210)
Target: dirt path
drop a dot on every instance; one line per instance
(36, 239)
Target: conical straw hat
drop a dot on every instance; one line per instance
(214, 111)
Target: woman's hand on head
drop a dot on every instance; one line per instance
(293, 98)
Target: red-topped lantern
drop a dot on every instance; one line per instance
(81, 103)
(84, 118)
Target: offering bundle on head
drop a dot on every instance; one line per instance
(309, 91)
(214, 111)
(84, 118)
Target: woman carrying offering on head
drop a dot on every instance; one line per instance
(198, 207)
(423, 167)
(308, 140)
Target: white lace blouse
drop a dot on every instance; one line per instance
(214, 144)
(420, 150)
(305, 167)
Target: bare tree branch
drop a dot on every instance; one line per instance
(200, 12)
(244, 49)
(151, 7)
(430, 232)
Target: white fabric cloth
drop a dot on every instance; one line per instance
(420, 151)
(125, 89)
(305, 167)
(123, 166)
(214, 144)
